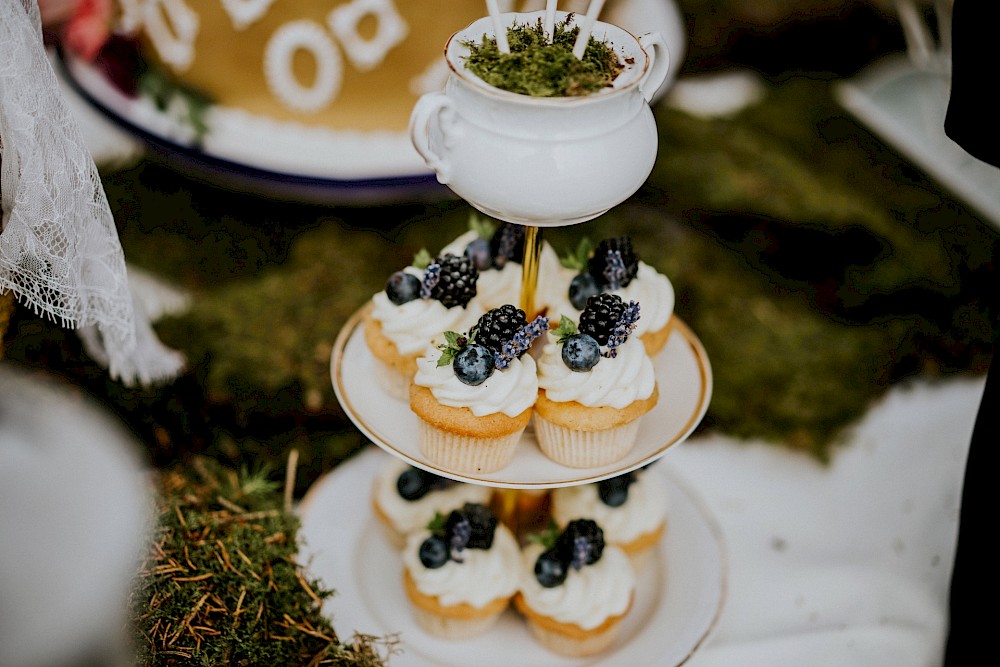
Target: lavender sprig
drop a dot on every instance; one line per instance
(623, 329)
(614, 270)
(460, 535)
(521, 341)
(432, 274)
(581, 552)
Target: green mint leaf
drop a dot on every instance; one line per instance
(422, 259)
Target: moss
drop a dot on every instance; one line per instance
(221, 586)
(536, 67)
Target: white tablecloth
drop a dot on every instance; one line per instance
(845, 564)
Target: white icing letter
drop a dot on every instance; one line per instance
(245, 12)
(366, 54)
(278, 54)
(174, 42)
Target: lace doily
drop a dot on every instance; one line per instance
(59, 248)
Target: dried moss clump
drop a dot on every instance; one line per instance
(220, 585)
(536, 67)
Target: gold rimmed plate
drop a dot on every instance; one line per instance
(679, 600)
(682, 371)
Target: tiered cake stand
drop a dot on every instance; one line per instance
(681, 591)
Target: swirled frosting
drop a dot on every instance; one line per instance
(483, 575)
(416, 323)
(644, 511)
(613, 382)
(588, 596)
(497, 287)
(510, 391)
(409, 515)
(650, 288)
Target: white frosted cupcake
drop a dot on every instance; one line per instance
(631, 509)
(405, 499)
(614, 267)
(417, 304)
(462, 575)
(497, 252)
(474, 397)
(595, 383)
(575, 590)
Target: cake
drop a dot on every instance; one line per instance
(417, 304)
(595, 383)
(461, 573)
(406, 498)
(631, 509)
(473, 396)
(613, 266)
(575, 590)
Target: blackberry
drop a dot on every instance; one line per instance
(484, 525)
(498, 326)
(581, 543)
(602, 269)
(507, 244)
(600, 316)
(456, 281)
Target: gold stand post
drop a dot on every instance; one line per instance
(529, 285)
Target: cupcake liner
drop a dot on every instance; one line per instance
(450, 627)
(391, 381)
(467, 454)
(576, 647)
(585, 449)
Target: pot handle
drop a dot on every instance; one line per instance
(659, 63)
(434, 116)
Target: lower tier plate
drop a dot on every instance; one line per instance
(683, 375)
(678, 600)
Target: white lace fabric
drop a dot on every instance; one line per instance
(59, 249)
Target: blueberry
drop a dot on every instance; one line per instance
(550, 570)
(612, 493)
(473, 364)
(402, 287)
(411, 484)
(434, 552)
(582, 287)
(478, 252)
(581, 352)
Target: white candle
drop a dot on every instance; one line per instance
(588, 24)
(550, 19)
(498, 27)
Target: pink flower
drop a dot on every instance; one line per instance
(89, 28)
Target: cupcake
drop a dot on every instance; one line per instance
(575, 589)
(460, 574)
(497, 252)
(595, 382)
(473, 395)
(405, 498)
(630, 508)
(613, 266)
(418, 303)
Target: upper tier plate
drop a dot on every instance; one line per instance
(349, 167)
(683, 375)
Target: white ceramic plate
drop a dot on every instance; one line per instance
(679, 599)
(683, 375)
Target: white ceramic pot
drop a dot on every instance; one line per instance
(543, 161)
